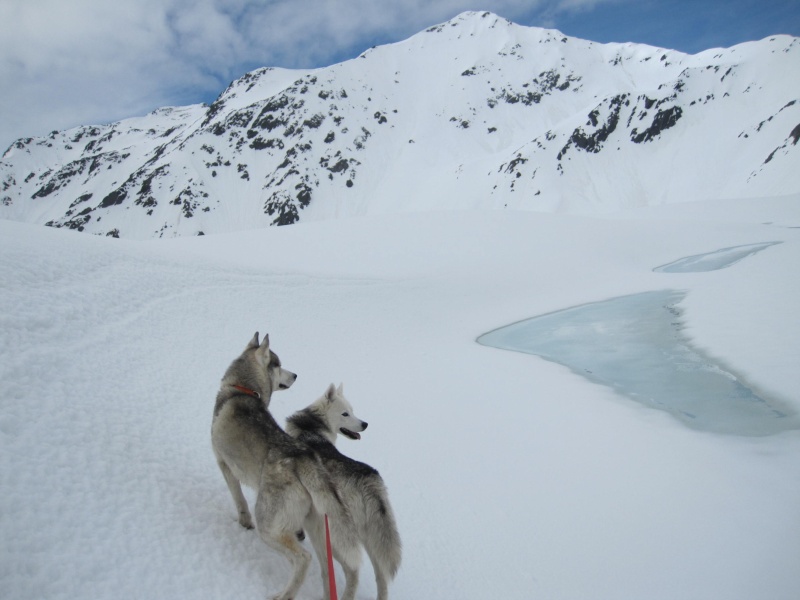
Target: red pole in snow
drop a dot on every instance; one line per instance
(331, 574)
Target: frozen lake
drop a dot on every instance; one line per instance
(634, 345)
(713, 261)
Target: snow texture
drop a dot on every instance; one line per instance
(475, 175)
(512, 477)
(474, 113)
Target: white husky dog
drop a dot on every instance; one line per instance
(360, 486)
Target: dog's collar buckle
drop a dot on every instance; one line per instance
(247, 391)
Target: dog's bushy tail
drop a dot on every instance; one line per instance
(326, 500)
(381, 539)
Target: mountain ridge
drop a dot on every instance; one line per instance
(476, 112)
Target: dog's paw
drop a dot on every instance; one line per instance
(246, 521)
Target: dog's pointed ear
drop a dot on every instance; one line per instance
(330, 393)
(253, 342)
(263, 349)
(341, 389)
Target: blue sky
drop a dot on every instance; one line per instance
(685, 25)
(64, 64)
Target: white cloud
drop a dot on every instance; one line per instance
(91, 61)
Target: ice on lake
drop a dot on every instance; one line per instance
(634, 344)
(713, 261)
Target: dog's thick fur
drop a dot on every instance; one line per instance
(294, 490)
(360, 486)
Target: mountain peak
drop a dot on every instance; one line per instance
(472, 19)
(473, 112)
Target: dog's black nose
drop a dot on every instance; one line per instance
(364, 425)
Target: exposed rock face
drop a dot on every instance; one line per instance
(442, 120)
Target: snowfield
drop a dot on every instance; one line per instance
(512, 477)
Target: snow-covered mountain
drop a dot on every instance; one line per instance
(474, 113)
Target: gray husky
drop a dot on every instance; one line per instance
(361, 487)
(294, 490)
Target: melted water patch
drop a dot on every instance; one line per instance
(634, 345)
(713, 261)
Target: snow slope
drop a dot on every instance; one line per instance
(477, 112)
(512, 477)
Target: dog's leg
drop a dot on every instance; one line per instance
(351, 582)
(380, 581)
(348, 556)
(316, 534)
(238, 497)
(271, 513)
(287, 545)
(382, 572)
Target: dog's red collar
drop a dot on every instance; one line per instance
(247, 391)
